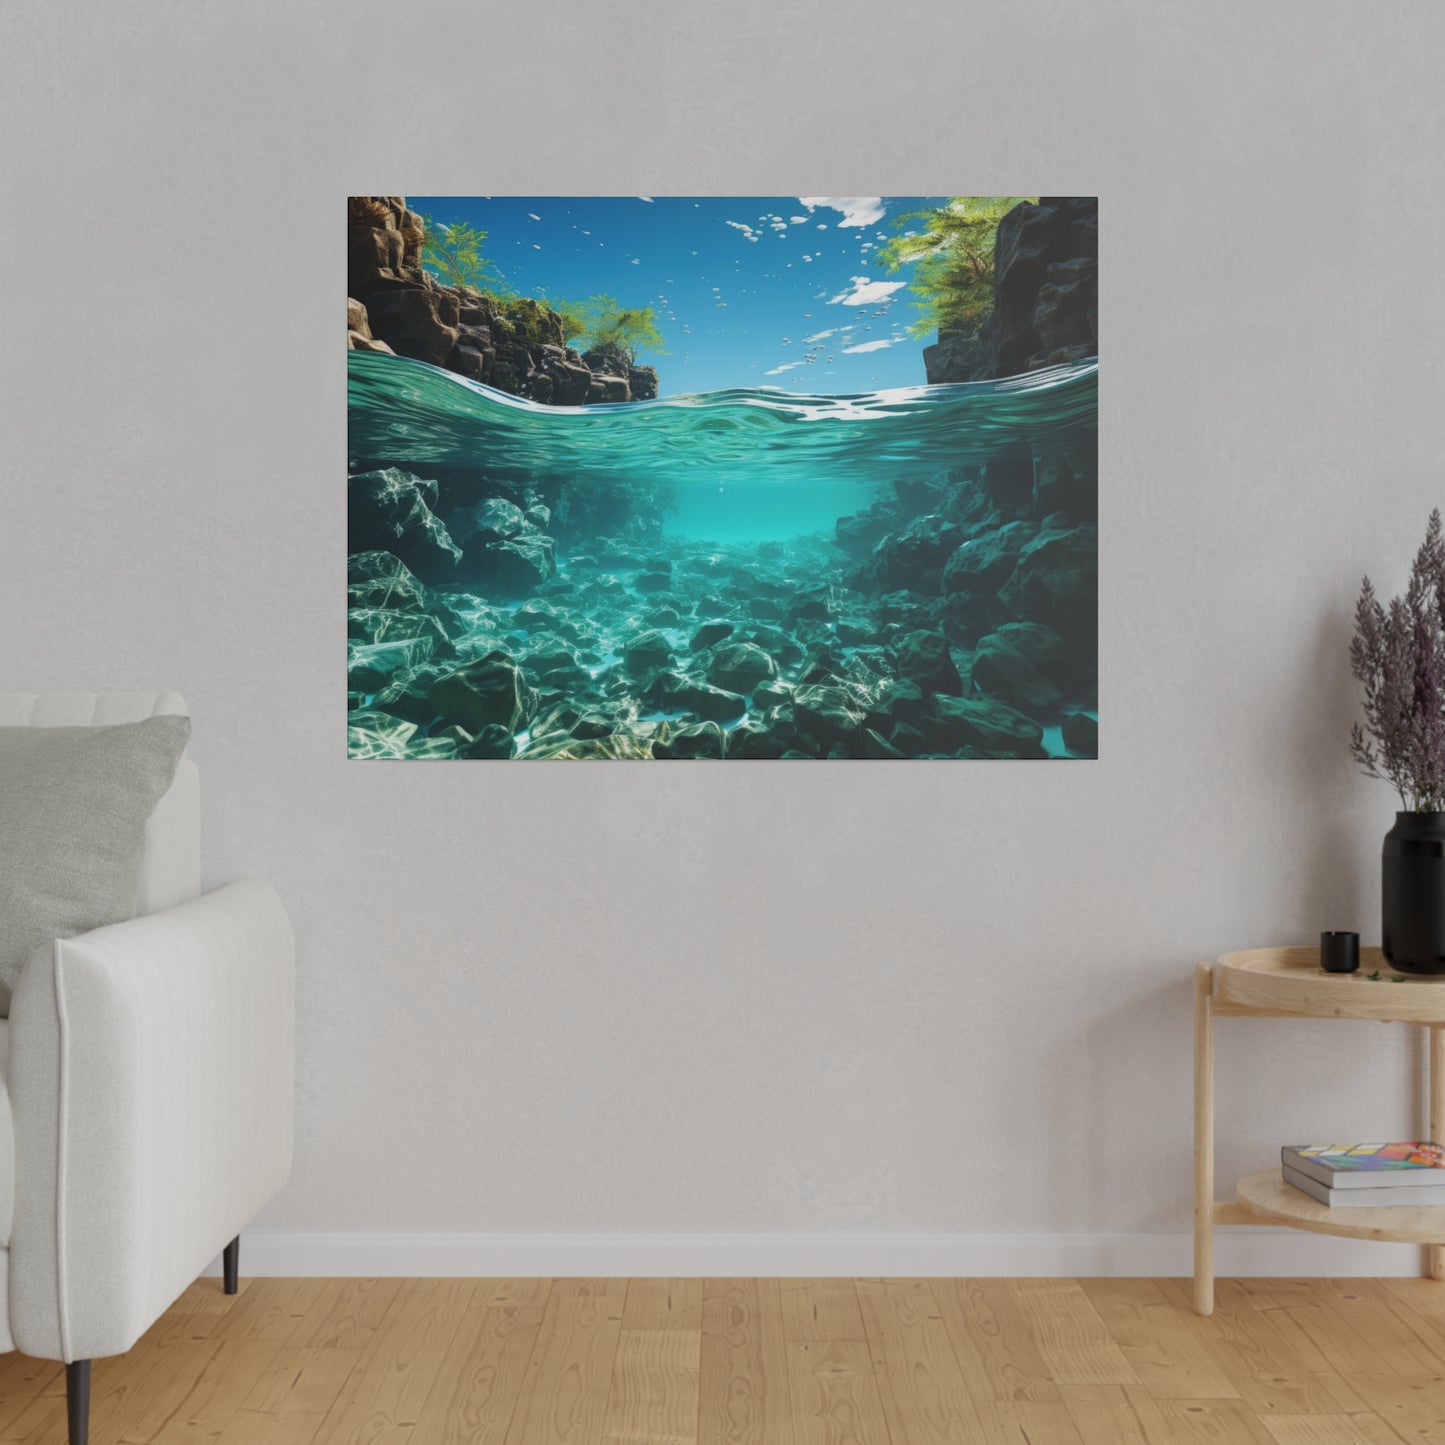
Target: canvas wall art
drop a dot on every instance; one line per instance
(803, 478)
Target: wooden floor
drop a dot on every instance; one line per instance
(765, 1362)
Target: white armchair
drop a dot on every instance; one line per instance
(147, 1069)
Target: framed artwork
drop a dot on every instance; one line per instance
(657, 478)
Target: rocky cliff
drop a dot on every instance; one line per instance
(516, 346)
(1046, 296)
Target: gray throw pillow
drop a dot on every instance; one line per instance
(74, 803)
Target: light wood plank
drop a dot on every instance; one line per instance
(654, 1388)
(570, 1375)
(272, 1309)
(22, 1381)
(289, 1401)
(821, 1309)
(743, 1378)
(1201, 1422)
(1028, 1422)
(1073, 1340)
(480, 1381)
(1330, 1430)
(663, 1304)
(346, 1316)
(1106, 1414)
(1165, 1348)
(996, 1351)
(925, 1397)
(1268, 1375)
(513, 1291)
(229, 1376)
(834, 1394)
(597, 1288)
(397, 1369)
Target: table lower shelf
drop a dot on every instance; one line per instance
(1268, 1197)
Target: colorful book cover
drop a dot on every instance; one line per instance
(1366, 1158)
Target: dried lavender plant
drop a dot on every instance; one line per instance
(1398, 653)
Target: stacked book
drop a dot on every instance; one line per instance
(1367, 1176)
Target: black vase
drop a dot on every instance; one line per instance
(1414, 893)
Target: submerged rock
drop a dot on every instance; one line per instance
(490, 690)
(830, 714)
(1024, 663)
(992, 728)
(696, 740)
(371, 666)
(1081, 735)
(646, 653)
(391, 510)
(926, 659)
(983, 564)
(740, 667)
(381, 579)
(510, 568)
(494, 742)
(709, 633)
(915, 556)
(712, 703)
(1056, 581)
(386, 624)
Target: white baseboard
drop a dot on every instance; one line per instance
(1240, 1252)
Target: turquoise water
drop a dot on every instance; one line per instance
(746, 464)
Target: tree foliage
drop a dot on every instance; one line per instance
(951, 252)
(625, 330)
(453, 254)
(598, 323)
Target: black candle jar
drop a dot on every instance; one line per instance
(1340, 952)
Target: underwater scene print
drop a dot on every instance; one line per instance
(807, 478)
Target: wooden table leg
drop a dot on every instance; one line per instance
(1435, 1253)
(1204, 1138)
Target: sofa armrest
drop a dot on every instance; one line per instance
(151, 1082)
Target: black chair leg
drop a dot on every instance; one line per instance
(77, 1401)
(231, 1264)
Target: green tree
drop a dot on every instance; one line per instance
(453, 254)
(951, 253)
(624, 330)
(577, 316)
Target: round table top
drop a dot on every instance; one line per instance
(1267, 1195)
(1290, 980)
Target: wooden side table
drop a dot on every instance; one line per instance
(1289, 983)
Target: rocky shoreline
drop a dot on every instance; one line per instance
(516, 346)
(1045, 296)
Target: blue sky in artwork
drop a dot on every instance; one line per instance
(749, 291)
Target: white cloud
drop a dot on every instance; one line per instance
(819, 335)
(533, 216)
(866, 346)
(796, 220)
(742, 226)
(786, 366)
(867, 292)
(857, 210)
(648, 199)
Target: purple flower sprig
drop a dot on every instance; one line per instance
(1398, 654)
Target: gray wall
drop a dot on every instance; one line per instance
(862, 996)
